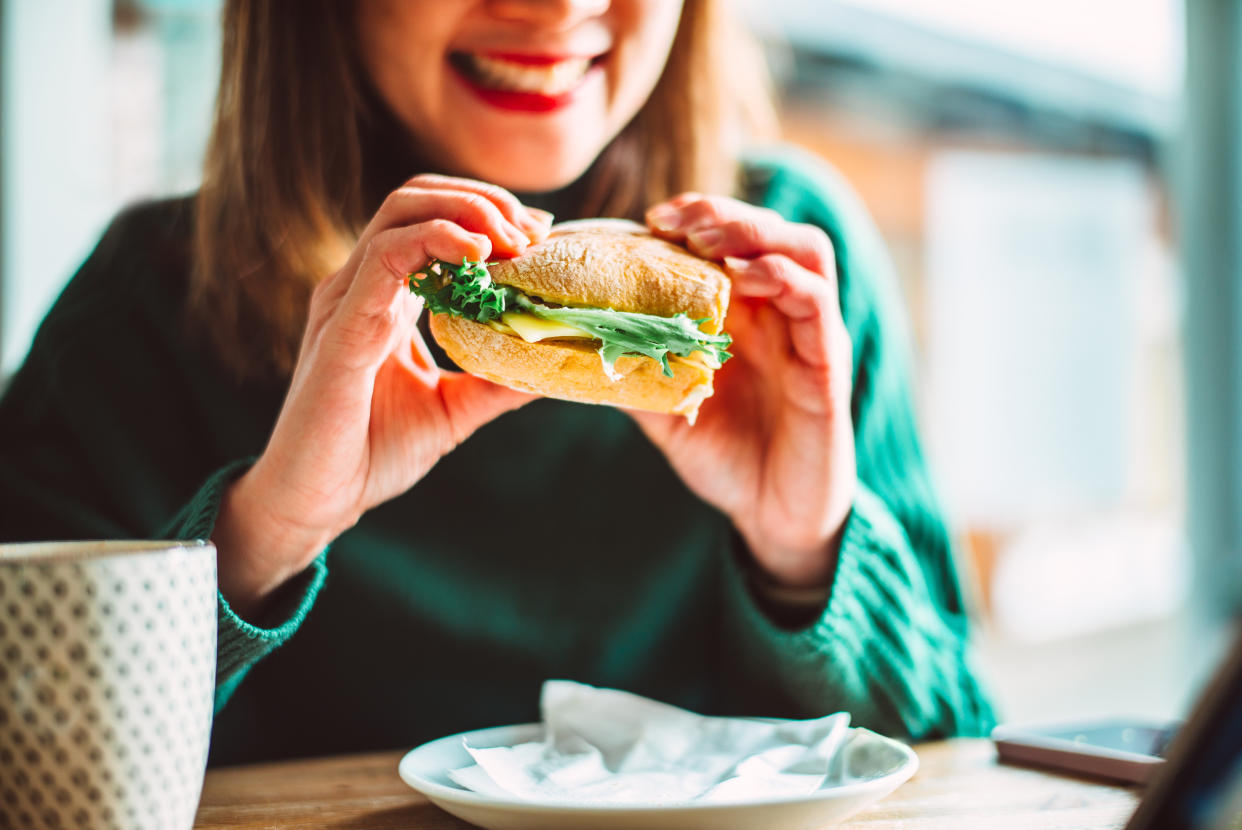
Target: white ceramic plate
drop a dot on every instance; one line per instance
(878, 767)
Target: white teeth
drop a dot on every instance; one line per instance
(552, 79)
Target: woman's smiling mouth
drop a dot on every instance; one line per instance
(529, 83)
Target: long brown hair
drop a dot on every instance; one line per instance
(302, 153)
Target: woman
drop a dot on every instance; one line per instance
(406, 551)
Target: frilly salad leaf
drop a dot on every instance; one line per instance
(464, 290)
(467, 291)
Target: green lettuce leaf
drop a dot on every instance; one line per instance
(467, 291)
(629, 333)
(464, 290)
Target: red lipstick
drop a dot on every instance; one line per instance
(522, 101)
(529, 102)
(534, 60)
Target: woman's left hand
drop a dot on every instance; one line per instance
(773, 448)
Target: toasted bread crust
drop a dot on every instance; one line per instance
(617, 264)
(570, 369)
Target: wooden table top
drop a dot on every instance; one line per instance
(959, 786)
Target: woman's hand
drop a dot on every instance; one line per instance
(368, 412)
(773, 448)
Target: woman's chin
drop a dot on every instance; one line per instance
(532, 175)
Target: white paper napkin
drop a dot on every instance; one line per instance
(604, 746)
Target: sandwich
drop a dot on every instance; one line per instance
(600, 312)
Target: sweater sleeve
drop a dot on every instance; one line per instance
(240, 643)
(890, 645)
(103, 436)
(881, 649)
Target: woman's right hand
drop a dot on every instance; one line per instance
(367, 412)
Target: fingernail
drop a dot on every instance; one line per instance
(538, 223)
(531, 225)
(736, 263)
(542, 216)
(485, 245)
(665, 219)
(517, 238)
(706, 239)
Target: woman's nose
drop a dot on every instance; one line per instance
(559, 13)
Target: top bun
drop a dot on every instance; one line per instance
(618, 264)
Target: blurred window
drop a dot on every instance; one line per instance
(1014, 155)
(103, 103)
(1129, 42)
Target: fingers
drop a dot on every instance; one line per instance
(411, 205)
(469, 402)
(808, 301)
(754, 236)
(430, 217)
(533, 221)
(789, 265)
(393, 255)
(476, 206)
(377, 304)
(715, 227)
(674, 204)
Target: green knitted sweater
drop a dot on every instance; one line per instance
(445, 609)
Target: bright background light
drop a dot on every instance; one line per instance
(1135, 43)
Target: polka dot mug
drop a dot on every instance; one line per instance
(107, 674)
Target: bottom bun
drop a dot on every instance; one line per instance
(571, 370)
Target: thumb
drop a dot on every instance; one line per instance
(471, 402)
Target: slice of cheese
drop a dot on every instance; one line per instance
(697, 358)
(532, 329)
